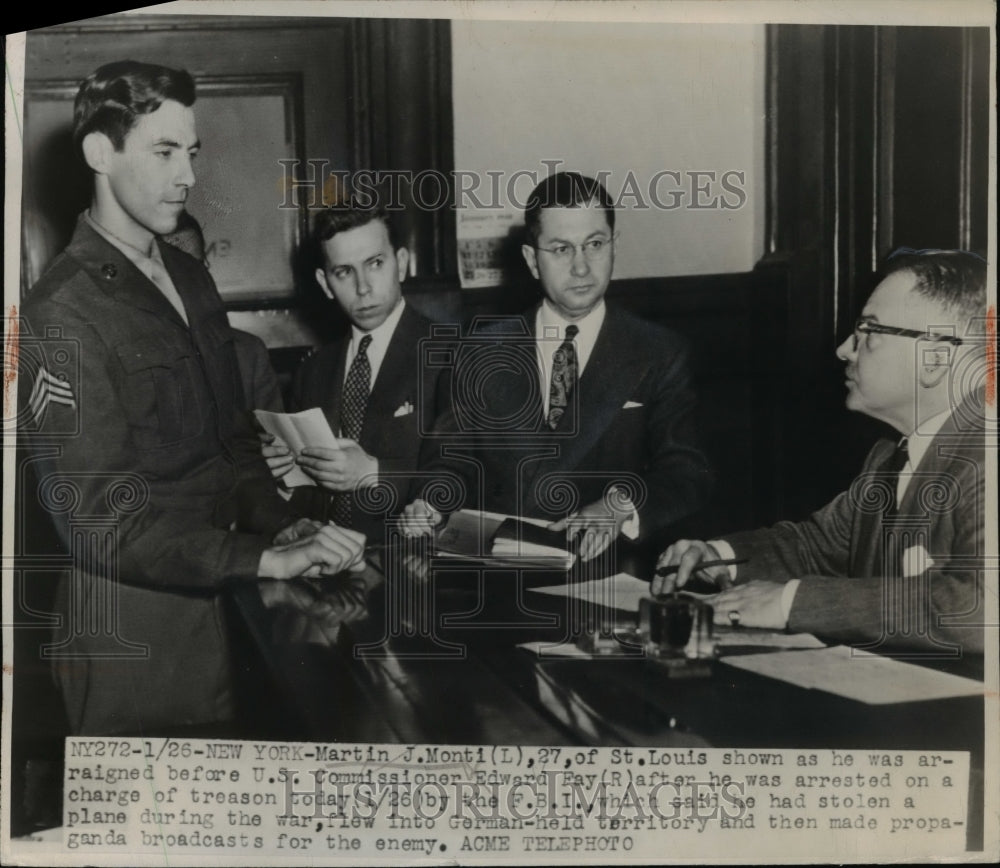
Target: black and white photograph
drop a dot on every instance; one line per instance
(498, 433)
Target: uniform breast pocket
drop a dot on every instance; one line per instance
(159, 391)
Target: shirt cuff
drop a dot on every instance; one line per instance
(726, 553)
(788, 597)
(630, 528)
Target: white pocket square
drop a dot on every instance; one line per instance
(631, 405)
(916, 561)
(404, 410)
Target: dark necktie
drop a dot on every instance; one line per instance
(352, 417)
(564, 372)
(890, 471)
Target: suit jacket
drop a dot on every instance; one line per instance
(159, 452)
(913, 583)
(401, 406)
(629, 422)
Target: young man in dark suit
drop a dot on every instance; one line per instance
(142, 449)
(897, 562)
(371, 383)
(576, 411)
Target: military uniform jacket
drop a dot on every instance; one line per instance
(154, 450)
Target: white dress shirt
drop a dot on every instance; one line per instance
(550, 332)
(917, 445)
(381, 335)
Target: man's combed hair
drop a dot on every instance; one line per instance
(954, 279)
(565, 190)
(112, 98)
(342, 217)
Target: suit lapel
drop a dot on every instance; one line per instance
(514, 391)
(335, 390)
(866, 554)
(394, 384)
(612, 369)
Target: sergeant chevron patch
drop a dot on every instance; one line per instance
(49, 388)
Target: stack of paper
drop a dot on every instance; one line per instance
(502, 540)
(518, 539)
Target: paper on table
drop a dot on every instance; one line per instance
(621, 591)
(298, 430)
(765, 639)
(551, 649)
(857, 675)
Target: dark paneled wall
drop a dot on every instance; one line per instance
(877, 138)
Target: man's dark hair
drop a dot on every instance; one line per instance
(565, 190)
(112, 98)
(342, 217)
(954, 279)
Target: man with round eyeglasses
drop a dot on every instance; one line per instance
(577, 411)
(896, 563)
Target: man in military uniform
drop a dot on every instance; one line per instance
(163, 459)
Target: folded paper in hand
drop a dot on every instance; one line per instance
(298, 430)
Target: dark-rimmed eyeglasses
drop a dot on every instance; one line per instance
(868, 327)
(592, 249)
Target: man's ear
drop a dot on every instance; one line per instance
(531, 257)
(321, 280)
(97, 150)
(402, 262)
(934, 366)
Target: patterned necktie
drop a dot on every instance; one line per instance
(891, 470)
(563, 377)
(352, 416)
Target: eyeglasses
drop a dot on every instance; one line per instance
(594, 248)
(868, 327)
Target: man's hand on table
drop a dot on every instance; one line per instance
(594, 527)
(755, 604)
(419, 519)
(686, 555)
(325, 551)
(301, 529)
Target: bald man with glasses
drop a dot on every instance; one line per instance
(896, 562)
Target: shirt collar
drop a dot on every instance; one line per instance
(549, 318)
(550, 331)
(919, 441)
(381, 334)
(136, 256)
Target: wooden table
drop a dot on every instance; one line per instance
(436, 661)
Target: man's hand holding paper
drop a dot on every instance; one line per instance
(344, 468)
